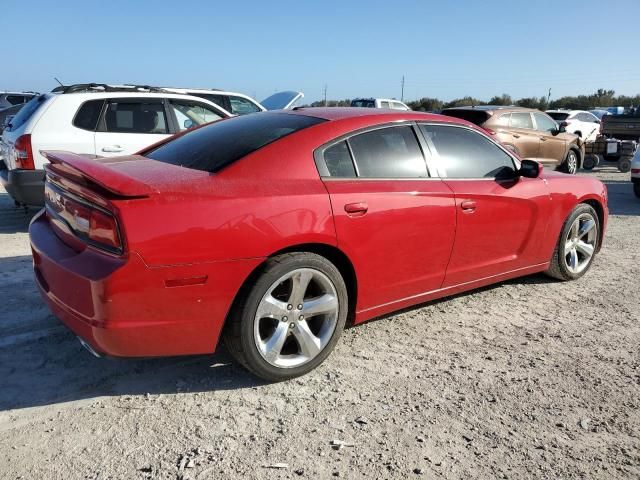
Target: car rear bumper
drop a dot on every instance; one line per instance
(24, 186)
(121, 307)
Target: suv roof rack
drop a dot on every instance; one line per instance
(103, 87)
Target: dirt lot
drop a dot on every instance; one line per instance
(527, 379)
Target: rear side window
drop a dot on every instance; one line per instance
(463, 153)
(391, 152)
(15, 99)
(521, 120)
(26, 112)
(338, 161)
(88, 115)
(136, 117)
(559, 116)
(215, 146)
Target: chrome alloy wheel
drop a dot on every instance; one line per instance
(580, 243)
(296, 318)
(572, 162)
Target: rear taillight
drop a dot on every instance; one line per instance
(88, 222)
(24, 153)
(635, 170)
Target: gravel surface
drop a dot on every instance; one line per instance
(526, 379)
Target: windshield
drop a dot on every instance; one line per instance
(558, 115)
(25, 113)
(219, 144)
(363, 103)
(281, 100)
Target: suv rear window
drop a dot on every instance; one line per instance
(363, 103)
(88, 115)
(477, 117)
(219, 144)
(26, 112)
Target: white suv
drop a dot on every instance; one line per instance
(379, 103)
(579, 122)
(240, 104)
(635, 172)
(94, 119)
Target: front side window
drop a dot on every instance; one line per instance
(463, 153)
(521, 120)
(544, 123)
(129, 116)
(391, 152)
(190, 114)
(219, 144)
(242, 106)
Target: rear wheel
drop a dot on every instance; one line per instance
(624, 164)
(570, 164)
(577, 244)
(290, 319)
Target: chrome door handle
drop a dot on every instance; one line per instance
(113, 149)
(468, 206)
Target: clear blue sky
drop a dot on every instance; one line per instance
(358, 48)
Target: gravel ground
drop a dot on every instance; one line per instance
(526, 379)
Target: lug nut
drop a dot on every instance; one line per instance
(285, 318)
(301, 317)
(300, 307)
(291, 325)
(289, 307)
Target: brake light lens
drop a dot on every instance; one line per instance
(635, 170)
(87, 222)
(24, 153)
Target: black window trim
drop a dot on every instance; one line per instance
(323, 171)
(436, 158)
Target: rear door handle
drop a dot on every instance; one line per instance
(112, 149)
(356, 209)
(468, 206)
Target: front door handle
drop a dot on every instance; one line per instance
(356, 209)
(515, 135)
(544, 139)
(468, 206)
(113, 149)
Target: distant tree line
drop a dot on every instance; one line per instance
(601, 98)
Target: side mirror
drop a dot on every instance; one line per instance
(188, 124)
(529, 169)
(562, 127)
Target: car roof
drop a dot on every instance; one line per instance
(214, 91)
(490, 108)
(343, 113)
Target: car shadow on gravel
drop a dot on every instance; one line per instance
(14, 219)
(622, 200)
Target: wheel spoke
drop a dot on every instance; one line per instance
(574, 229)
(271, 307)
(586, 227)
(300, 282)
(316, 306)
(573, 260)
(273, 346)
(568, 246)
(310, 345)
(585, 248)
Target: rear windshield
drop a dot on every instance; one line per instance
(363, 103)
(221, 143)
(477, 117)
(558, 115)
(25, 113)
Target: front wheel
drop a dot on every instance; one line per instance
(290, 319)
(577, 245)
(570, 164)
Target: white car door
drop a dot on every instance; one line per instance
(131, 124)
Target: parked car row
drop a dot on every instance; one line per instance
(103, 120)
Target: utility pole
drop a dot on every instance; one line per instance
(402, 91)
(548, 97)
(325, 94)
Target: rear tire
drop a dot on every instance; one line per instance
(267, 331)
(624, 164)
(577, 244)
(570, 164)
(590, 162)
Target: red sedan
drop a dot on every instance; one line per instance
(271, 231)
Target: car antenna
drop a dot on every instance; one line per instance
(56, 79)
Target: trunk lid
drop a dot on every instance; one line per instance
(125, 177)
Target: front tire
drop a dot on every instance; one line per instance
(570, 164)
(577, 244)
(290, 319)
